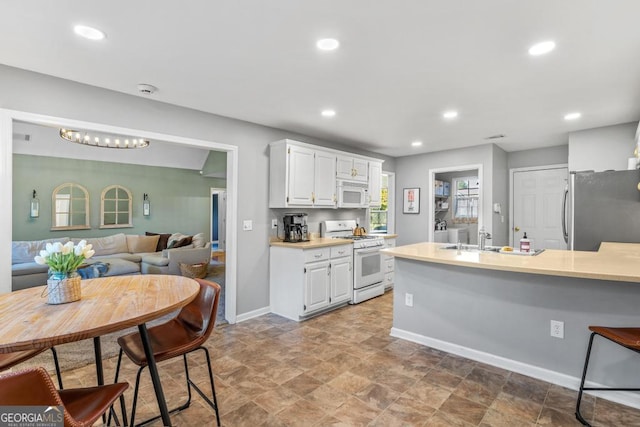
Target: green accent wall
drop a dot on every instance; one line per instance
(180, 198)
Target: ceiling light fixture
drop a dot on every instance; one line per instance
(542, 48)
(327, 44)
(102, 141)
(450, 114)
(416, 143)
(572, 116)
(328, 113)
(89, 32)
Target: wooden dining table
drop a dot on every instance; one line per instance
(107, 305)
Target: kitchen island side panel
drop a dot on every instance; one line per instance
(508, 314)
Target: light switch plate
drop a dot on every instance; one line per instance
(247, 225)
(274, 223)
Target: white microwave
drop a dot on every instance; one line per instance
(353, 194)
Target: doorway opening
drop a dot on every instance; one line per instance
(455, 204)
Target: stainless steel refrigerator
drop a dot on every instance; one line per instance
(601, 207)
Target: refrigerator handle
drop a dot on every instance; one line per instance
(564, 215)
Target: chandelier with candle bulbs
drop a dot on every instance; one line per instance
(103, 141)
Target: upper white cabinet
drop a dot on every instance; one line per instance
(352, 168)
(304, 175)
(375, 184)
(301, 176)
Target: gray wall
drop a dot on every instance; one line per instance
(508, 314)
(538, 157)
(26, 91)
(179, 197)
(500, 221)
(605, 148)
(413, 171)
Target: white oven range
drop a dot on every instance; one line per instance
(367, 260)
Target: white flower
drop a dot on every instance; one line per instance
(67, 248)
(88, 253)
(41, 259)
(81, 247)
(54, 248)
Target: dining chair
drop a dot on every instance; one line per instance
(626, 337)
(81, 406)
(9, 360)
(183, 334)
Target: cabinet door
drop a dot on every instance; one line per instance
(360, 170)
(375, 184)
(316, 286)
(344, 167)
(341, 279)
(325, 179)
(301, 175)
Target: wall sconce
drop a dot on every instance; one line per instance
(146, 205)
(34, 209)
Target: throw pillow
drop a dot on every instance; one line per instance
(162, 242)
(142, 244)
(185, 241)
(198, 240)
(97, 269)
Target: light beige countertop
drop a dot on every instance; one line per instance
(319, 242)
(389, 236)
(614, 261)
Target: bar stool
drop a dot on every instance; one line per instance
(625, 337)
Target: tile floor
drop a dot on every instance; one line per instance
(343, 368)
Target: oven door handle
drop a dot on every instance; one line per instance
(367, 250)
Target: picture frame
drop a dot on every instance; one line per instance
(411, 200)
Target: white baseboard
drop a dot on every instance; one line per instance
(252, 314)
(564, 380)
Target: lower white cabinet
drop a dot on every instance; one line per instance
(388, 264)
(304, 282)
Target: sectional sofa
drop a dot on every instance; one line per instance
(125, 255)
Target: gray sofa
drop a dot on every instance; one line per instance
(125, 255)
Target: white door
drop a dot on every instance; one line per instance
(341, 279)
(316, 286)
(301, 175)
(537, 207)
(325, 179)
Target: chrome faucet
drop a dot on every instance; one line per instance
(483, 236)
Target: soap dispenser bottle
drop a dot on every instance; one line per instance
(525, 243)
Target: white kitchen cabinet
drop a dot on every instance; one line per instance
(352, 168)
(388, 264)
(300, 175)
(324, 183)
(305, 282)
(375, 184)
(316, 286)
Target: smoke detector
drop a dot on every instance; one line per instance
(146, 89)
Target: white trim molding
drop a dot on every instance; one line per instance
(253, 314)
(573, 383)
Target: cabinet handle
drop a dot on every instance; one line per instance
(340, 252)
(313, 196)
(329, 269)
(317, 255)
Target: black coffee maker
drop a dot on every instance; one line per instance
(295, 227)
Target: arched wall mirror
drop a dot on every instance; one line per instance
(70, 204)
(116, 211)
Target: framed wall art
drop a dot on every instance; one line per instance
(411, 201)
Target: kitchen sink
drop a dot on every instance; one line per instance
(474, 248)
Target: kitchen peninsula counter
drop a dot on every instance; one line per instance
(321, 242)
(614, 261)
(497, 308)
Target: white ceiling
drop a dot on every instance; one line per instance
(400, 63)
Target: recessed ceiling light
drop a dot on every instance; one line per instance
(542, 48)
(416, 143)
(450, 114)
(572, 116)
(89, 32)
(328, 44)
(328, 113)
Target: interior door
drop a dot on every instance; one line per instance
(537, 207)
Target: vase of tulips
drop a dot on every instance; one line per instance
(63, 284)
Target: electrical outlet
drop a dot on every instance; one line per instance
(274, 223)
(557, 329)
(247, 225)
(408, 300)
